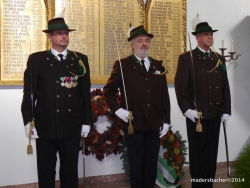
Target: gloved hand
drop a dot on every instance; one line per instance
(164, 130)
(191, 114)
(225, 118)
(85, 130)
(122, 114)
(27, 129)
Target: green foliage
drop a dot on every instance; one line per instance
(241, 175)
(124, 158)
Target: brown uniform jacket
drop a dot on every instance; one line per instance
(58, 111)
(147, 94)
(212, 88)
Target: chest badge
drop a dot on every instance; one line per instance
(69, 81)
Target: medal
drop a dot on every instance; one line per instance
(69, 81)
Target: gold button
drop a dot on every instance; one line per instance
(217, 87)
(69, 110)
(57, 81)
(57, 96)
(57, 110)
(210, 87)
(148, 91)
(51, 65)
(210, 103)
(146, 79)
(217, 103)
(69, 95)
(148, 104)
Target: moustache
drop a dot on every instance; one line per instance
(144, 47)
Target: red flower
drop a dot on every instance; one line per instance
(176, 144)
(178, 159)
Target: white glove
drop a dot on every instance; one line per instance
(225, 118)
(191, 114)
(122, 114)
(27, 129)
(164, 130)
(85, 130)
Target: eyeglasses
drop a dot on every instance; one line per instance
(61, 33)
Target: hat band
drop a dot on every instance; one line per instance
(140, 32)
(205, 28)
(58, 26)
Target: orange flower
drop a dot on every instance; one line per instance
(179, 172)
(178, 159)
(176, 144)
(170, 132)
(166, 155)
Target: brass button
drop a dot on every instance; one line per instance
(69, 95)
(58, 110)
(146, 78)
(57, 81)
(148, 91)
(217, 103)
(57, 96)
(217, 87)
(67, 66)
(210, 103)
(210, 87)
(148, 104)
(69, 110)
(51, 65)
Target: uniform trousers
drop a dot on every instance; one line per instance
(203, 150)
(143, 149)
(68, 150)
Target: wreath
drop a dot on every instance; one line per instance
(112, 140)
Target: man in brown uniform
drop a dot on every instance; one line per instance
(148, 99)
(208, 91)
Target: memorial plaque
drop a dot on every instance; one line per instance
(95, 22)
(166, 20)
(22, 22)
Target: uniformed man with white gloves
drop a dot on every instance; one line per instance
(56, 97)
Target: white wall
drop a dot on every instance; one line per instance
(230, 17)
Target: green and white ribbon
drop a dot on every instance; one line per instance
(167, 172)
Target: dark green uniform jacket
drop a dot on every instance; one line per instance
(59, 111)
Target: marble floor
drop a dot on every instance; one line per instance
(184, 183)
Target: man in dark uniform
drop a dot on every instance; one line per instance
(201, 83)
(148, 99)
(56, 96)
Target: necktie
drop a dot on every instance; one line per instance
(61, 57)
(143, 64)
(207, 54)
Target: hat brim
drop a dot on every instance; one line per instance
(195, 33)
(130, 38)
(48, 30)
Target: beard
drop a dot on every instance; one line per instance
(142, 52)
